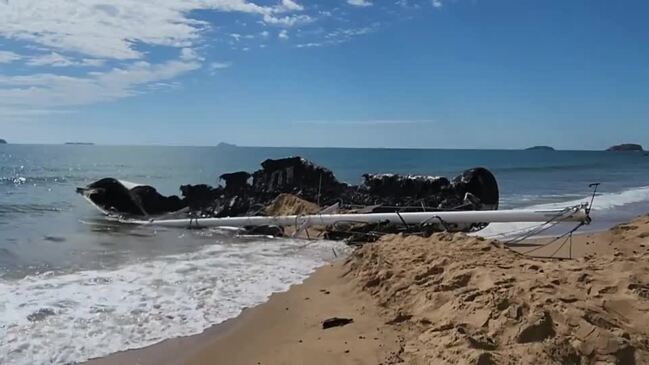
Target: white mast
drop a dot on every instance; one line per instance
(571, 214)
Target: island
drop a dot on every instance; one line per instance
(81, 143)
(540, 148)
(626, 147)
(226, 145)
(2, 141)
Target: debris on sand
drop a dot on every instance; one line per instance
(335, 322)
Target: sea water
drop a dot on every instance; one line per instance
(74, 287)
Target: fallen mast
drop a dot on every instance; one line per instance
(572, 214)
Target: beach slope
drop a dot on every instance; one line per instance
(451, 299)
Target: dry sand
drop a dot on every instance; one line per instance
(448, 299)
(465, 300)
(289, 204)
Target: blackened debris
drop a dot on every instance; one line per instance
(248, 194)
(275, 231)
(141, 200)
(153, 203)
(200, 197)
(336, 322)
(417, 186)
(236, 182)
(297, 176)
(480, 184)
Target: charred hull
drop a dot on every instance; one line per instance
(248, 194)
(113, 196)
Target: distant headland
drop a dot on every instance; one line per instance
(226, 145)
(2, 141)
(81, 143)
(626, 147)
(539, 148)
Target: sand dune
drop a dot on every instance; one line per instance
(460, 299)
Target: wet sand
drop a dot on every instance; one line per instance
(447, 299)
(285, 330)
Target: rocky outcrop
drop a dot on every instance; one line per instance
(626, 147)
(2, 141)
(540, 148)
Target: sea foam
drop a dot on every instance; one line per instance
(58, 319)
(603, 202)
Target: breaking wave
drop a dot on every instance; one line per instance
(57, 319)
(603, 202)
(22, 180)
(545, 168)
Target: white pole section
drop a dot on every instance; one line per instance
(571, 214)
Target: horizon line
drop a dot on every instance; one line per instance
(230, 145)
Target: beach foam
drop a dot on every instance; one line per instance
(603, 202)
(57, 319)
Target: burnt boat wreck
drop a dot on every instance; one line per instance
(383, 203)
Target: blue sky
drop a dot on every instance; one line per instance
(395, 73)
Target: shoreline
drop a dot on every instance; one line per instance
(288, 319)
(286, 329)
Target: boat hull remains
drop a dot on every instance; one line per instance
(383, 203)
(247, 194)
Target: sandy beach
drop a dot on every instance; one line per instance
(446, 299)
(287, 330)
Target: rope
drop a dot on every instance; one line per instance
(441, 221)
(535, 230)
(568, 237)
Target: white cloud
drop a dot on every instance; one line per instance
(362, 3)
(55, 59)
(220, 65)
(188, 54)
(340, 36)
(94, 62)
(7, 112)
(371, 122)
(52, 90)
(8, 56)
(112, 29)
(84, 33)
(311, 45)
(292, 5)
(414, 4)
(288, 20)
(61, 36)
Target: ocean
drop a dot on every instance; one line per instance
(74, 287)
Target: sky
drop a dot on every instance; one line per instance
(326, 73)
